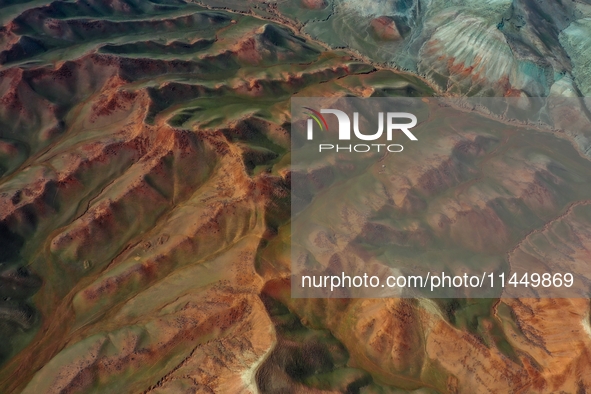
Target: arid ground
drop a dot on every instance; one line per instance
(145, 196)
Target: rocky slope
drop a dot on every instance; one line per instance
(470, 47)
(144, 201)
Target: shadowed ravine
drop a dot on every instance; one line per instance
(145, 207)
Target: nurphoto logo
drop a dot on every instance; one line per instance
(344, 130)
